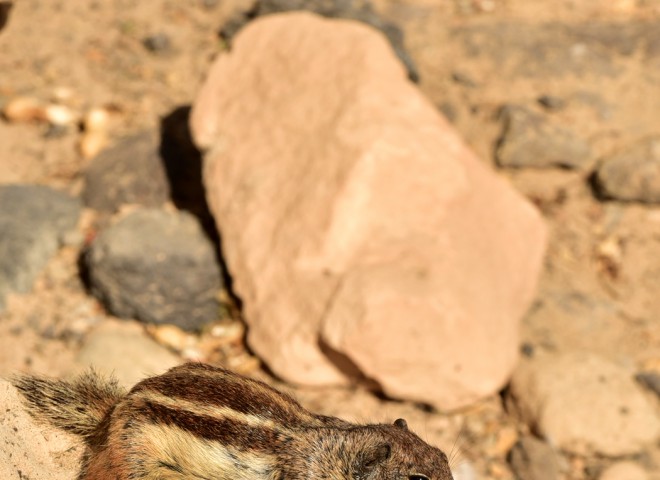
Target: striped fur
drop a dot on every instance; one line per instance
(201, 422)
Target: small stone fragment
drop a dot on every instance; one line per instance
(172, 337)
(633, 174)
(24, 109)
(60, 115)
(598, 408)
(63, 95)
(609, 256)
(533, 459)
(551, 102)
(94, 139)
(96, 119)
(92, 143)
(506, 439)
(158, 267)
(131, 172)
(158, 43)
(530, 140)
(34, 221)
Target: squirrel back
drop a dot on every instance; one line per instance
(198, 421)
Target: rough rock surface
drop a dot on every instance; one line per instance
(131, 172)
(633, 174)
(158, 267)
(348, 206)
(31, 451)
(597, 408)
(533, 459)
(555, 49)
(360, 10)
(530, 140)
(34, 221)
(123, 350)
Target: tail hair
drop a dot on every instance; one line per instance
(77, 406)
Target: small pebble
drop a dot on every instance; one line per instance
(244, 364)
(157, 43)
(506, 439)
(62, 95)
(610, 256)
(527, 349)
(60, 115)
(172, 336)
(193, 354)
(551, 102)
(497, 470)
(91, 143)
(532, 458)
(24, 109)
(232, 331)
(96, 119)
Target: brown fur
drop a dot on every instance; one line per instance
(201, 422)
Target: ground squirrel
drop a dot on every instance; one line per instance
(201, 422)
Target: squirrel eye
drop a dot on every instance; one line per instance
(417, 476)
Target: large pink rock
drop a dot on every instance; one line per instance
(362, 235)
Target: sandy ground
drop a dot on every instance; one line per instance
(598, 291)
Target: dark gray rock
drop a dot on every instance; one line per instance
(158, 267)
(130, 172)
(359, 10)
(530, 140)
(632, 174)
(532, 459)
(33, 222)
(557, 49)
(157, 43)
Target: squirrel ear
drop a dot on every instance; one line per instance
(401, 423)
(371, 458)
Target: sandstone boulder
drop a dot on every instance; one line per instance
(362, 235)
(583, 403)
(632, 174)
(123, 350)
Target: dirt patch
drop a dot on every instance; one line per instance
(601, 63)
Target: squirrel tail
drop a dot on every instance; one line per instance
(77, 406)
